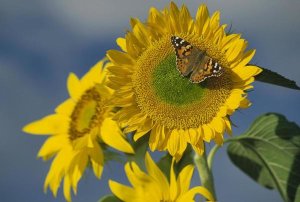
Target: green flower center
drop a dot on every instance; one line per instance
(86, 115)
(172, 88)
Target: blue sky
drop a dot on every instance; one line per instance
(41, 42)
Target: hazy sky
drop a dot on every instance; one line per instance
(42, 41)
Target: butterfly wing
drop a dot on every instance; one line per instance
(183, 50)
(207, 67)
(190, 59)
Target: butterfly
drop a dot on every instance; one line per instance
(194, 62)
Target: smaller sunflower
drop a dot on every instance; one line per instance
(154, 187)
(76, 128)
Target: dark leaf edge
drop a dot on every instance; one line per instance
(271, 77)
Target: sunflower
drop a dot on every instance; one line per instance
(76, 128)
(155, 187)
(154, 99)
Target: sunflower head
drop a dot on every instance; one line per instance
(75, 130)
(156, 100)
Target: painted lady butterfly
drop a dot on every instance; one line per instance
(194, 62)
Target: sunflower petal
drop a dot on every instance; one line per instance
(92, 76)
(52, 145)
(184, 178)
(74, 87)
(119, 58)
(121, 191)
(112, 136)
(188, 196)
(122, 43)
(157, 174)
(97, 159)
(51, 124)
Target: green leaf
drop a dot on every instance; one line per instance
(186, 159)
(269, 152)
(109, 198)
(165, 162)
(271, 77)
(112, 156)
(140, 147)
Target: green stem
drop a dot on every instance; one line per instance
(211, 155)
(205, 174)
(213, 151)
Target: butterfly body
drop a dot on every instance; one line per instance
(191, 61)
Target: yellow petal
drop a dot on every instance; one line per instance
(228, 125)
(228, 41)
(56, 172)
(215, 21)
(90, 142)
(193, 135)
(92, 76)
(235, 50)
(97, 159)
(233, 102)
(66, 108)
(188, 196)
(134, 174)
(207, 133)
(199, 147)
(185, 18)
(51, 124)
(121, 191)
(82, 142)
(222, 111)
(219, 138)
(245, 103)
(119, 58)
(144, 128)
(154, 138)
(184, 178)
(74, 87)
(246, 58)
(218, 124)
(177, 144)
(134, 21)
(52, 145)
(122, 43)
(79, 164)
(141, 33)
(157, 20)
(112, 136)
(173, 185)
(183, 142)
(133, 45)
(174, 14)
(116, 70)
(173, 142)
(67, 188)
(157, 174)
(201, 17)
(246, 72)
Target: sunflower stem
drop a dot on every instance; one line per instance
(205, 174)
(211, 156)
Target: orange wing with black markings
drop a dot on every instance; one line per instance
(194, 62)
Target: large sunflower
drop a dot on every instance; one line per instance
(156, 100)
(154, 186)
(75, 130)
